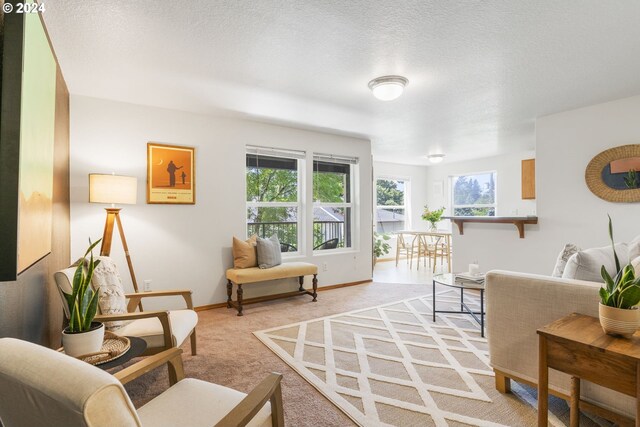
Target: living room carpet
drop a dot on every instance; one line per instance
(392, 365)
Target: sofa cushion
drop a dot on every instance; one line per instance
(269, 252)
(636, 266)
(634, 248)
(563, 257)
(244, 252)
(288, 269)
(111, 296)
(150, 329)
(586, 265)
(197, 403)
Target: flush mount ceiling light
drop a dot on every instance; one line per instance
(388, 88)
(435, 158)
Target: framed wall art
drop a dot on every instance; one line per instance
(171, 174)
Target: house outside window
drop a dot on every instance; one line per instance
(391, 205)
(333, 201)
(273, 195)
(474, 194)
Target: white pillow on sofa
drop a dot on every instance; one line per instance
(586, 265)
(563, 257)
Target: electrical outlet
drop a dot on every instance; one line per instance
(147, 285)
(324, 266)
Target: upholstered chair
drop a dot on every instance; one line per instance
(161, 329)
(41, 387)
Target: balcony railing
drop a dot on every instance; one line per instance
(287, 232)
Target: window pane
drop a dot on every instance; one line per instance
(390, 220)
(474, 189)
(331, 182)
(331, 228)
(390, 192)
(474, 211)
(265, 222)
(271, 179)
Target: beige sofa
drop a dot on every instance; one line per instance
(517, 305)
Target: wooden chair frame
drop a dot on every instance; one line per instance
(268, 390)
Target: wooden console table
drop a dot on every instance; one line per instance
(518, 221)
(576, 345)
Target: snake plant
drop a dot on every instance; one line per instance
(622, 290)
(83, 300)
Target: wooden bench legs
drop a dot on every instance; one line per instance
(238, 304)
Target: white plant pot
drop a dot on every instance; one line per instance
(619, 321)
(81, 343)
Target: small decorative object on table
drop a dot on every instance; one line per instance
(83, 335)
(432, 216)
(619, 297)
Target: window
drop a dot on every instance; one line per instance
(474, 195)
(273, 195)
(391, 205)
(332, 201)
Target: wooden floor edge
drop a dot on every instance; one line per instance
(605, 413)
(278, 296)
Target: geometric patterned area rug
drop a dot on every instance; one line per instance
(391, 365)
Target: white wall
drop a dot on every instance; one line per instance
(567, 210)
(417, 177)
(189, 246)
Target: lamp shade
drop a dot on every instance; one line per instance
(116, 189)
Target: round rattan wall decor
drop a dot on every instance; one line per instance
(604, 183)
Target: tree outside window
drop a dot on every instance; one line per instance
(332, 204)
(273, 201)
(474, 195)
(391, 205)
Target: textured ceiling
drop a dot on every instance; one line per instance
(479, 72)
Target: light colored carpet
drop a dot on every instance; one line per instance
(392, 365)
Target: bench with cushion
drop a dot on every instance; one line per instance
(243, 276)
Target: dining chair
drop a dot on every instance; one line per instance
(406, 246)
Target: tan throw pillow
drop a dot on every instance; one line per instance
(244, 252)
(111, 300)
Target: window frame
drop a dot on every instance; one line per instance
(351, 235)
(452, 204)
(407, 203)
(299, 204)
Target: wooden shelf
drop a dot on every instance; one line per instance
(518, 221)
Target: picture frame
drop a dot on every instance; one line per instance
(171, 174)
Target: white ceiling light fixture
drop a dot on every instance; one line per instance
(388, 88)
(435, 158)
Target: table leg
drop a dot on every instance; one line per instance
(574, 414)
(434, 301)
(638, 395)
(543, 383)
(482, 313)
(461, 300)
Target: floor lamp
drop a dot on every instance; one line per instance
(114, 189)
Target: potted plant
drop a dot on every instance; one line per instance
(619, 297)
(432, 216)
(83, 335)
(380, 246)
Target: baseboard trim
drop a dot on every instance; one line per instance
(279, 296)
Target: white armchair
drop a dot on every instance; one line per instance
(41, 387)
(161, 329)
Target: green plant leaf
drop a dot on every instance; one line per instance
(610, 284)
(629, 297)
(604, 296)
(91, 312)
(613, 245)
